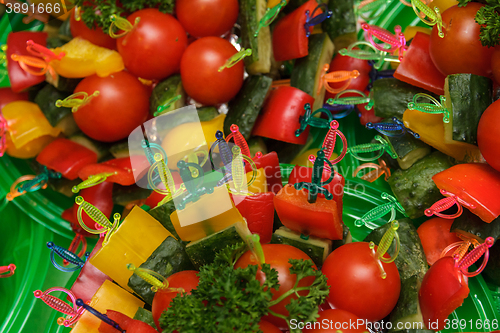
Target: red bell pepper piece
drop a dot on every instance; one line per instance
(126, 323)
(319, 219)
(258, 210)
(101, 196)
(289, 35)
(271, 165)
(121, 166)
(89, 279)
(443, 290)
(66, 157)
(335, 187)
(475, 183)
(280, 115)
(435, 236)
(7, 96)
(417, 68)
(16, 44)
(346, 63)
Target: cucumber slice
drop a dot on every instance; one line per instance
(316, 248)
(414, 187)
(408, 149)
(308, 70)
(341, 26)
(145, 316)
(120, 149)
(123, 195)
(165, 91)
(251, 12)
(167, 259)
(407, 312)
(245, 107)
(62, 83)
(471, 225)
(257, 144)
(203, 251)
(100, 148)
(391, 97)
(467, 97)
(162, 215)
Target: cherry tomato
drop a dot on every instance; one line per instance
(200, 71)
(335, 320)
(487, 135)
(356, 284)
(460, 51)
(187, 280)
(95, 36)
(203, 18)
(153, 49)
(267, 327)
(277, 256)
(346, 63)
(121, 106)
(435, 236)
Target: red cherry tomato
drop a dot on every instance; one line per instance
(277, 256)
(187, 280)
(122, 105)
(435, 236)
(335, 320)
(95, 36)
(267, 327)
(356, 284)
(203, 18)
(346, 63)
(153, 49)
(200, 71)
(460, 51)
(487, 135)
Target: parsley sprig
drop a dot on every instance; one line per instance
(489, 19)
(233, 300)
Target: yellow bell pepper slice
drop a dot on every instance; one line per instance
(29, 150)
(259, 184)
(133, 242)
(411, 31)
(108, 297)
(26, 122)
(431, 130)
(83, 59)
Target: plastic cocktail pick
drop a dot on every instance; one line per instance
(3, 55)
(75, 244)
(473, 256)
(160, 168)
(396, 128)
(6, 271)
(92, 181)
(72, 312)
(162, 108)
(31, 183)
(316, 185)
(148, 150)
(369, 52)
(238, 174)
(194, 185)
(3, 131)
(157, 281)
(446, 203)
(380, 169)
(270, 16)
(312, 20)
(376, 213)
(428, 16)
(435, 107)
(339, 111)
(381, 147)
(253, 243)
(337, 76)
(234, 59)
(375, 74)
(462, 247)
(238, 139)
(76, 100)
(121, 23)
(329, 142)
(33, 65)
(42, 52)
(390, 42)
(384, 245)
(106, 227)
(310, 119)
(224, 152)
(99, 315)
(351, 100)
(66, 255)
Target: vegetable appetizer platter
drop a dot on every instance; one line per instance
(250, 166)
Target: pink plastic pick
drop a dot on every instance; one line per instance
(446, 203)
(390, 42)
(6, 271)
(337, 76)
(239, 140)
(72, 312)
(42, 52)
(473, 256)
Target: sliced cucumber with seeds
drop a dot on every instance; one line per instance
(408, 149)
(166, 95)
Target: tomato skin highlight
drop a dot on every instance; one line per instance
(460, 51)
(153, 49)
(95, 36)
(277, 256)
(122, 105)
(205, 83)
(435, 236)
(356, 284)
(487, 134)
(202, 18)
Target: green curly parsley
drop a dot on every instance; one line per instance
(489, 19)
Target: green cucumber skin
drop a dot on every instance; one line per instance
(304, 72)
(342, 21)
(316, 256)
(169, 258)
(122, 195)
(46, 99)
(470, 224)
(391, 97)
(408, 149)
(470, 97)
(414, 187)
(145, 316)
(162, 215)
(249, 23)
(245, 107)
(408, 303)
(166, 90)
